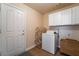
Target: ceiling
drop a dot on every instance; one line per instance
(47, 7)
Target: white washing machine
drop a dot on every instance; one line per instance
(50, 41)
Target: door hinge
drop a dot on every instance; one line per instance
(0, 31)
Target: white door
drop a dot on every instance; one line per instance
(13, 42)
(19, 31)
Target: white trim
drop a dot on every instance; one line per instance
(14, 6)
(30, 47)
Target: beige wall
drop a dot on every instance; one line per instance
(33, 20)
(45, 20)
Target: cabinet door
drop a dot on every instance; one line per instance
(66, 17)
(58, 18)
(54, 19)
(51, 23)
(75, 15)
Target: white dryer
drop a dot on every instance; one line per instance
(50, 41)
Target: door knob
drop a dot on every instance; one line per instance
(22, 33)
(23, 30)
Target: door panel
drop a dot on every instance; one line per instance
(51, 21)
(10, 15)
(10, 29)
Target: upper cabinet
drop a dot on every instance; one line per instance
(54, 19)
(75, 15)
(65, 17)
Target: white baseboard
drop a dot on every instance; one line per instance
(30, 47)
